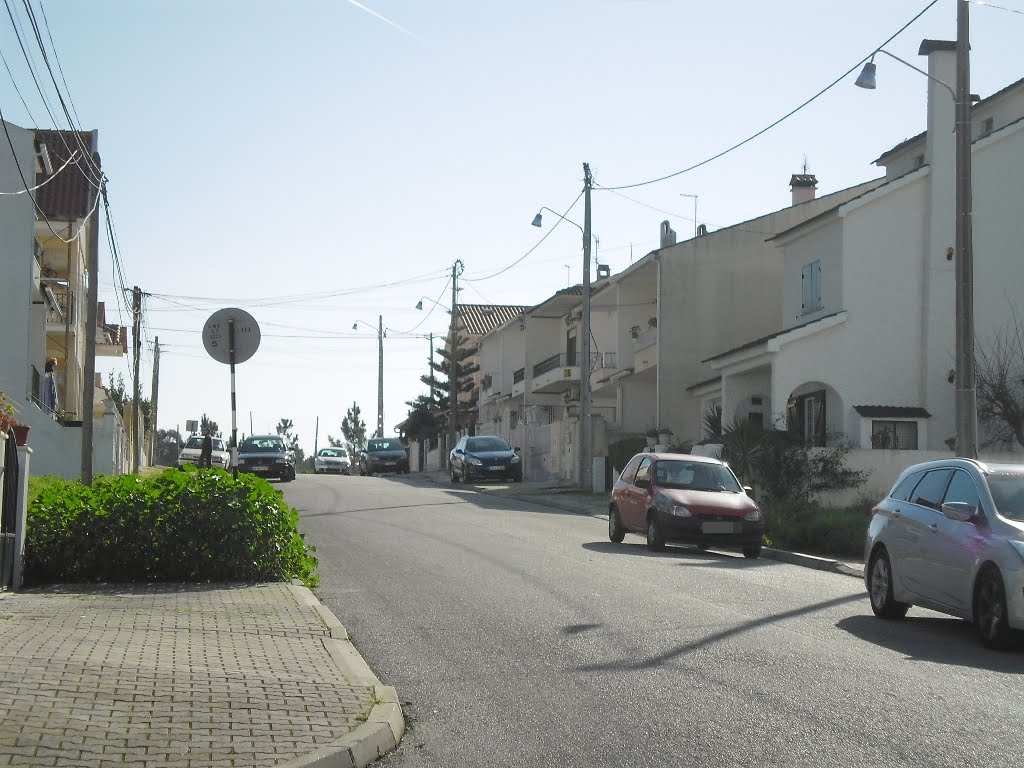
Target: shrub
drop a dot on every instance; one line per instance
(176, 526)
(809, 527)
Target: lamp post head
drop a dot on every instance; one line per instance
(419, 304)
(538, 219)
(866, 79)
(355, 326)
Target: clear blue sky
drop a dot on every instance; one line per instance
(292, 159)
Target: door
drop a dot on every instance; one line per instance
(635, 514)
(955, 544)
(920, 522)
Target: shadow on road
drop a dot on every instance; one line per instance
(934, 639)
(688, 557)
(664, 658)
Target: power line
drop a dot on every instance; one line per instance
(786, 116)
(535, 245)
(993, 5)
(433, 306)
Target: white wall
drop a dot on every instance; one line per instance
(17, 220)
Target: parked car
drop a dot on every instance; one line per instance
(331, 460)
(266, 456)
(672, 497)
(485, 457)
(383, 454)
(950, 537)
(194, 447)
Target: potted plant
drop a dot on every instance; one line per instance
(652, 438)
(7, 411)
(664, 435)
(635, 331)
(652, 322)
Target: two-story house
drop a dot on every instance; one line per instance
(48, 229)
(864, 345)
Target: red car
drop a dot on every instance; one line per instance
(674, 497)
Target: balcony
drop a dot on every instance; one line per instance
(490, 386)
(60, 304)
(555, 374)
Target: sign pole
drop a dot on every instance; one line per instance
(234, 427)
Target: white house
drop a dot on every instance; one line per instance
(864, 343)
(46, 234)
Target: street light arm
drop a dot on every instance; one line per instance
(945, 85)
(545, 208)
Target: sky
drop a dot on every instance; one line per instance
(323, 163)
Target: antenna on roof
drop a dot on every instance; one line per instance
(806, 166)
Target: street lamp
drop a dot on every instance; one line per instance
(379, 328)
(966, 392)
(586, 446)
(419, 304)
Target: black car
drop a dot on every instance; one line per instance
(483, 457)
(383, 454)
(266, 456)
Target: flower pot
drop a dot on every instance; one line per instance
(21, 434)
(651, 442)
(664, 437)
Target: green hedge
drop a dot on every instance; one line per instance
(192, 526)
(809, 527)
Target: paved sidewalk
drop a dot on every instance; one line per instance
(569, 498)
(186, 675)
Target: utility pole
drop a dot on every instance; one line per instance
(430, 336)
(316, 436)
(380, 376)
(966, 391)
(586, 446)
(155, 394)
(136, 387)
(453, 395)
(91, 317)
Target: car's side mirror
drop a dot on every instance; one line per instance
(459, 452)
(959, 510)
(517, 449)
(748, 490)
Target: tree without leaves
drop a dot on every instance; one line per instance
(999, 371)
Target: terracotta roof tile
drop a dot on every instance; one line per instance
(479, 319)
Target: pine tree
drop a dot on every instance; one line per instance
(464, 371)
(353, 429)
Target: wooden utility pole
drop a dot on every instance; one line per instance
(136, 388)
(453, 379)
(153, 404)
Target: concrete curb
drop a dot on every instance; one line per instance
(384, 726)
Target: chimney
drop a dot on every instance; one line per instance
(668, 235)
(803, 186)
(939, 144)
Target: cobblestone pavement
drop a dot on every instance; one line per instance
(175, 675)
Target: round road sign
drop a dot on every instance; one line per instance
(215, 335)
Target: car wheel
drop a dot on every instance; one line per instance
(655, 536)
(750, 552)
(616, 530)
(517, 478)
(990, 611)
(880, 592)
(454, 477)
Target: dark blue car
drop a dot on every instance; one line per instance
(484, 457)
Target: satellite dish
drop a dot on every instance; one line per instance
(215, 335)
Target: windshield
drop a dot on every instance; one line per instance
(197, 442)
(695, 476)
(258, 444)
(486, 444)
(1008, 493)
(334, 452)
(385, 445)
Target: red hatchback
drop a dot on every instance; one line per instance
(687, 499)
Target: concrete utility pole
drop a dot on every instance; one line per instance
(156, 391)
(586, 444)
(453, 395)
(966, 387)
(380, 376)
(91, 321)
(136, 388)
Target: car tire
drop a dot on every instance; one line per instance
(655, 536)
(752, 553)
(880, 593)
(517, 478)
(454, 477)
(616, 530)
(990, 611)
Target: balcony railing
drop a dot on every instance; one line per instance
(518, 376)
(549, 364)
(603, 360)
(64, 311)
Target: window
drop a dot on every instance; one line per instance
(932, 488)
(806, 417)
(962, 488)
(644, 473)
(902, 491)
(630, 471)
(810, 281)
(987, 128)
(570, 347)
(894, 435)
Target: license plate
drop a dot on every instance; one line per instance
(718, 527)
(495, 469)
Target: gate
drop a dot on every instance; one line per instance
(8, 511)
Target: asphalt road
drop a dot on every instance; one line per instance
(519, 636)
